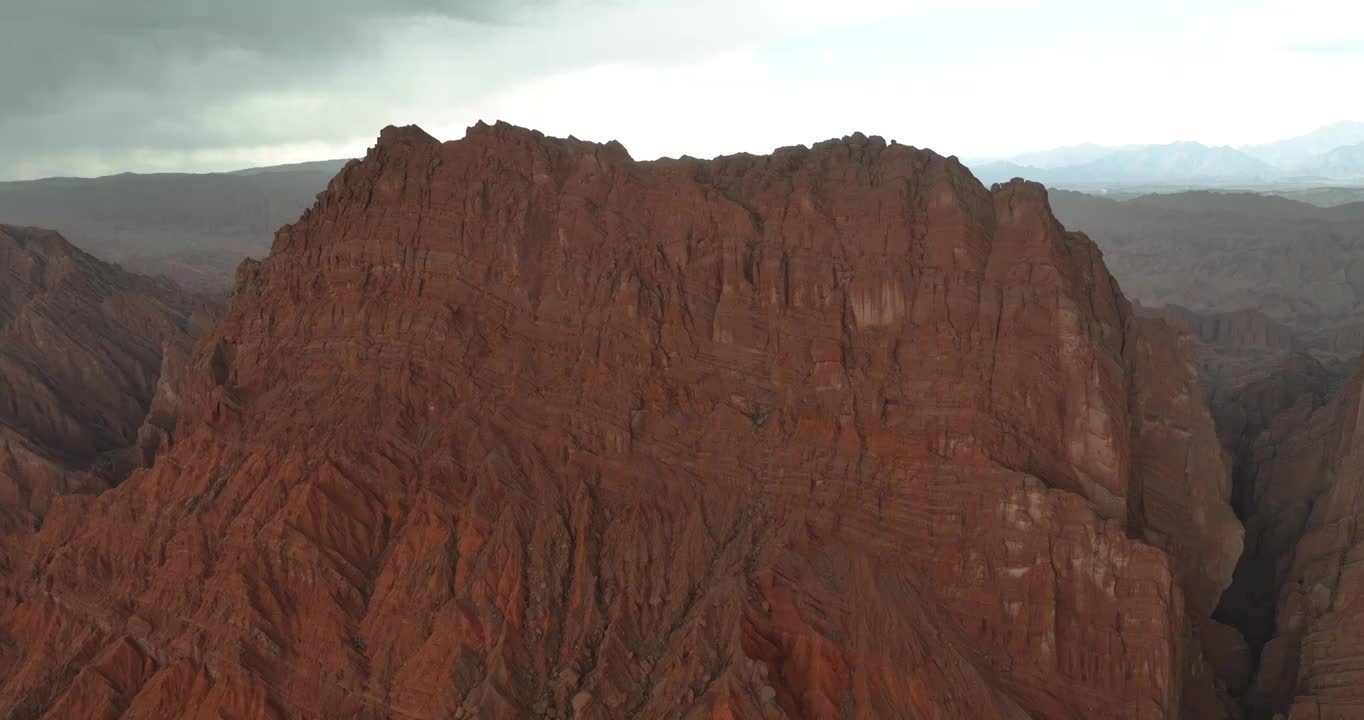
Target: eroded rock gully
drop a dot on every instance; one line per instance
(519, 427)
(90, 357)
(1296, 439)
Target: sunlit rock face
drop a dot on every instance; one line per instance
(515, 426)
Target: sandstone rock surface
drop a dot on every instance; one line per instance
(515, 426)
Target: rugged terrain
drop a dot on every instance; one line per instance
(519, 427)
(1216, 253)
(89, 357)
(1232, 348)
(194, 229)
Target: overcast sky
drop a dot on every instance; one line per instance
(94, 87)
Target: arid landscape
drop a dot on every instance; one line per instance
(193, 229)
(486, 420)
(833, 430)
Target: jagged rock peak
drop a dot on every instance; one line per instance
(408, 159)
(856, 146)
(505, 132)
(405, 135)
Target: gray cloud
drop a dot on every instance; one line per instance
(104, 79)
(103, 86)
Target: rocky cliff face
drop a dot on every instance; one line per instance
(82, 349)
(519, 427)
(1297, 441)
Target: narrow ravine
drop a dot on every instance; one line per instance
(1286, 437)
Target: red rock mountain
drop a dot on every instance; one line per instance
(519, 427)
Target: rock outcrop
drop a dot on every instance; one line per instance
(519, 427)
(82, 345)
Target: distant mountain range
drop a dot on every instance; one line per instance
(1227, 252)
(1253, 277)
(1064, 156)
(329, 167)
(192, 228)
(1303, 150)
(1330, 155)
(1345, 161)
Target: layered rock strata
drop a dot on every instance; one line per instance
(515, 426)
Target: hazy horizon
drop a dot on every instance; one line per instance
(187, 86)
(303, 164)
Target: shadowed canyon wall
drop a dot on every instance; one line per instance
(89, 359)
